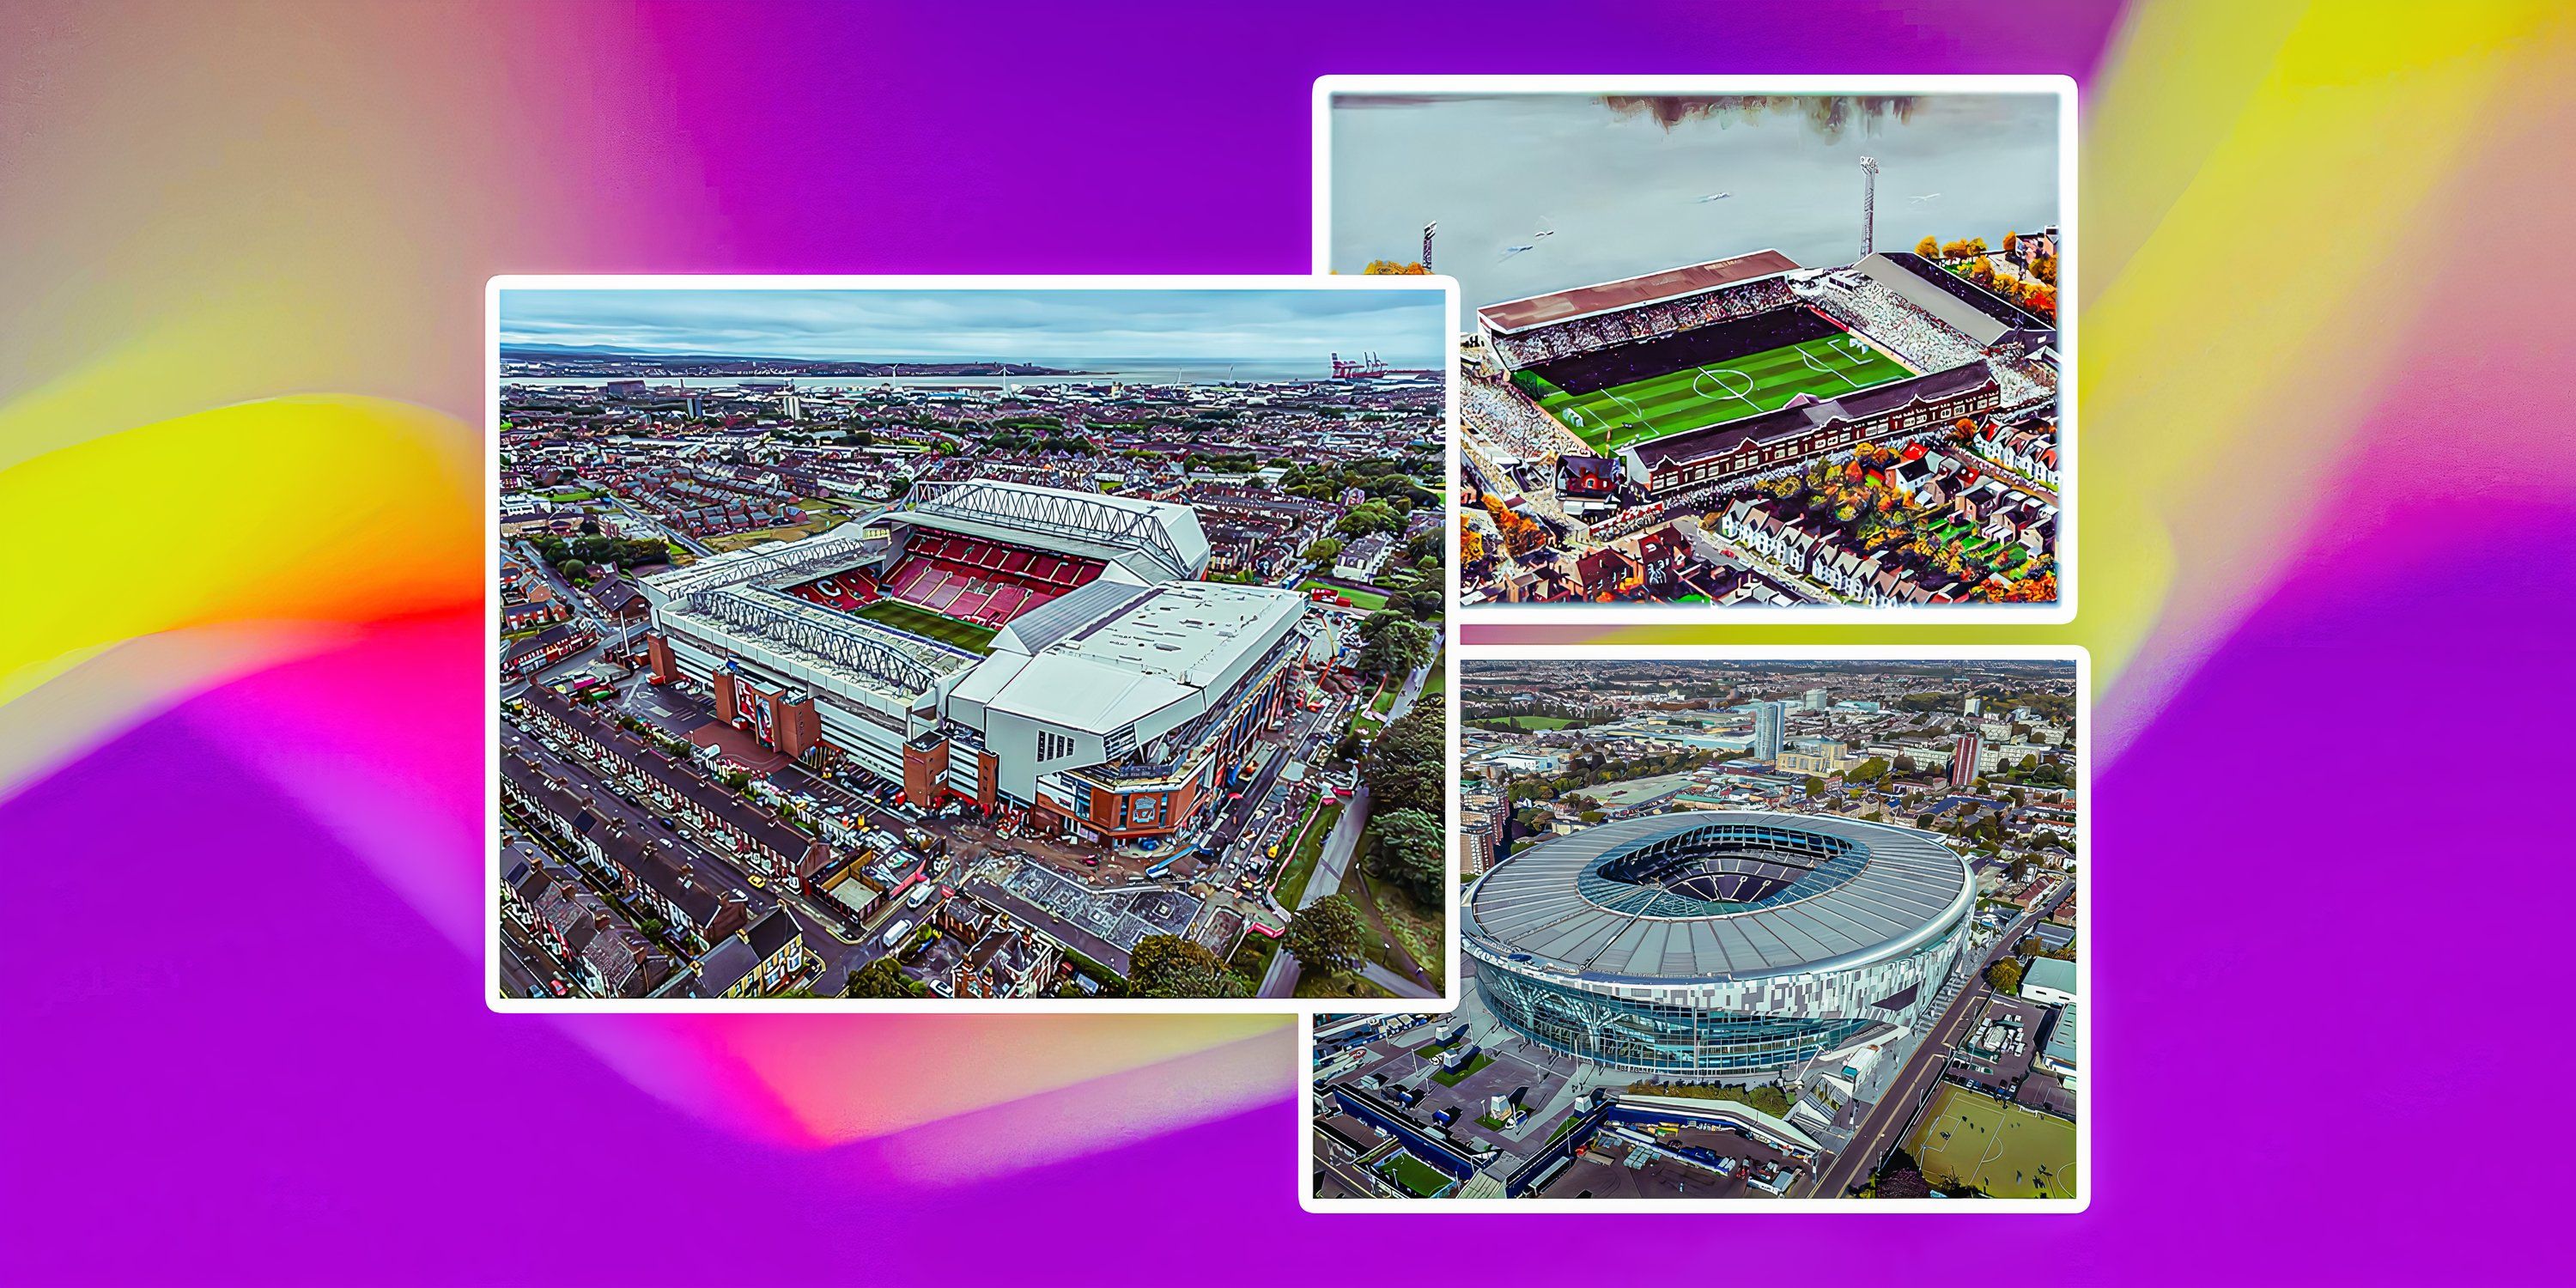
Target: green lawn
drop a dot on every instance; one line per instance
(1610, 418)
(922, 621)
(1413, 1176)
(1360, 599)
(1300, 867)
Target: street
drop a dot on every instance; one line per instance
(1894, 1111)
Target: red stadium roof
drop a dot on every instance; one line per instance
(1629, 292)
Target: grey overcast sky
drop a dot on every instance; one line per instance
(1045, 326)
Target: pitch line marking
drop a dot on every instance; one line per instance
(1813, 365)
(1736, 394)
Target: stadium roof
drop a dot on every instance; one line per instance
(1629, 292)
(770, 563)
(1110, 527)
(1972, 310)
(1863, 892)
(1691, 445)
(1137, 652)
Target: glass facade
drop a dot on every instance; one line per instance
(1659, 1036)
(1720, 1028)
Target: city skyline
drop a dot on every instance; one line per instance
(1287, 325)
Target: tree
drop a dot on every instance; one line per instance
(1327, 936)
(1929, 247)
(1408, 768)
(1173, 966)
(1412, 852)
(1385, 267)
(1393, 648)
(1370, 516)
(574, 569)
(2005, 975)
(1323, 549)
(880, 978)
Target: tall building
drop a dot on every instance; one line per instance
(697, 406)
(791, 407)
(1974, 706)
(1963, 758)
(1815, 699)
(1769, 720)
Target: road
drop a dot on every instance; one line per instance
(1335, 862)
(1895, 1110)
(1339, 845)
(656, 526)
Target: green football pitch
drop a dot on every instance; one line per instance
(1608, 419)
(922, 621)
(1420, 1179)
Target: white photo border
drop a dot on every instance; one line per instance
(2063, 88)
(2085, 1114)
(490, 976)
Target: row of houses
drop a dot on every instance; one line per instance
(521, 658)
(761, 841)
(1002, 957)
(651, 872)
(604, 955)
(1821, 553)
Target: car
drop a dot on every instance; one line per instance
(669, 824)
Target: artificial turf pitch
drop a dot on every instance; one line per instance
(1420, 1179)
(1612, 418)
(2001, 1148)
(922, 621)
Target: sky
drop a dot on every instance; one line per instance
(1619, 187)
(1063, 327)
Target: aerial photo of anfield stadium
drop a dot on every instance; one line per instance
(1762, 351)
(887, 644)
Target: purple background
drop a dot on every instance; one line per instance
(2323, 869)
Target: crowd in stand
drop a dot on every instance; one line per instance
(1503, 416)
(1584, 335)
(2024, 382)
(1884, 316)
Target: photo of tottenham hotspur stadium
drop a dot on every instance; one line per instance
(1755, 930)
(1758, 351)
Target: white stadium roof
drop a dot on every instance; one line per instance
(1108, 656)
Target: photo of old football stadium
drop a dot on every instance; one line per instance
(892, 646)
(1788, 352)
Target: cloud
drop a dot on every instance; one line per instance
(1002, 324)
